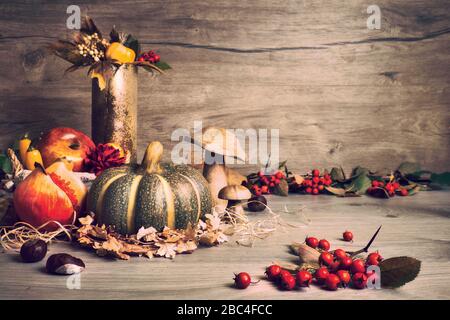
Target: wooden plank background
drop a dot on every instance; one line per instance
(339, 93)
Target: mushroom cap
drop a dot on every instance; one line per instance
(221, 141)
(235, 192)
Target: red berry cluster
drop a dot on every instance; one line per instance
(286, 280)
(338, 269)
(149, 56)
(391, 188)
(266, 183)
(315, 183)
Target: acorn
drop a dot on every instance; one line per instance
(65, 264)
(33, 250)
(257, 203)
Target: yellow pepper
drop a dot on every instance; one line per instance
(117, 51)
(33, 156)
(24, 144)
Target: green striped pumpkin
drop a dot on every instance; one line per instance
(151, 195)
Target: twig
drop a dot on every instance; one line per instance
(366, 248)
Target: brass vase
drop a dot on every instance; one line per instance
(114, 110)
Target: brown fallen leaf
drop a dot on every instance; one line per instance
(86, 221)
(166, 250)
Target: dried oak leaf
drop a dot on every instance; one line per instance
(85, 241)
(111, 247)
(213, 221)
(133, 249)
(86, 221)
(166, 250)
(98, 232)
(212, 238)
(190, 233)
(146, 234)
(186, 246)
(169, 235)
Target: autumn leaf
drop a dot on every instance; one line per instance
(166, 250)
(337, 174)
(149, 234)
(213, 221)
(186, 247)
(85, 221)
(397, 271)
(341, 192)
(282, 189)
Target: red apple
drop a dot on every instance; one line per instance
(65, 143)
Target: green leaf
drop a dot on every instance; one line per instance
(282, 164)
(336, 191)
(5, 164)
(133, 43)
(359, 171)
(163, 65)
(360, 184)
(442, 179)
(397, 271)
(337, 174)
(341, 192)
(408, 167)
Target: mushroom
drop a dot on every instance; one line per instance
(235, 195)
(218, 143)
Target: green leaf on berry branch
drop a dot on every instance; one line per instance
(408, 168)
(163, 65)
(282, 165)
(341, 192)
(397, 271)
(360, 184)
(5, 164)
(337, 174)
(360, 171)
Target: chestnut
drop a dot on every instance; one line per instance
(257, 203)
(33, 250)
(63, 263)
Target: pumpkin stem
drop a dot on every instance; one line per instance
(152, 157)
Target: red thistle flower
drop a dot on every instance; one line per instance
(104, 156)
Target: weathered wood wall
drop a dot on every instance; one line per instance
(340, 93)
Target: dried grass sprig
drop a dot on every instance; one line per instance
(13, 237)
(248, 231)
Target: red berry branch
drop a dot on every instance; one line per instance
(337, 269)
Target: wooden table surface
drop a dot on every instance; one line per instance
(418, 226)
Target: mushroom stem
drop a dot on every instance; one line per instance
(216, 175)
(236, 207)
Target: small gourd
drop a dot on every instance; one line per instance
(119, 52)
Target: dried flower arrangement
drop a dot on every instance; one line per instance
(88, 48)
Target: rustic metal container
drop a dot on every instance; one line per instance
(114, 110)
